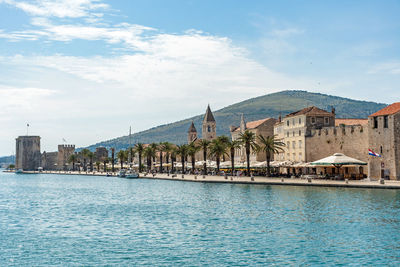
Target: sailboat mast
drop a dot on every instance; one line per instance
(130, 149)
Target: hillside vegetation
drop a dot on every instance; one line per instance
(270, 105)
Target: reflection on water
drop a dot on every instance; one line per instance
(50, 219)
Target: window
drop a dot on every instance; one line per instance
(288, 145)
(300, 133)
(299, 120)
(294, 144)
(326, 120)
(300, 143)
(287, 134)
(287, 123)
(385, 122)
(375, 122)
(294, 157)
(300, 156)
(381, 150)
(209, 128)
(293, 133)
(313, 120)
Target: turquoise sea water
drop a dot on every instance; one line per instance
(78, 220)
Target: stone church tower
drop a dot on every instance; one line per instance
(192, 133)
(209, 131)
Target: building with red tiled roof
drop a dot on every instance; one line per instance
(389, 110)
(264, 127)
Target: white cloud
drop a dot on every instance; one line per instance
(59, 8)
(392, 67)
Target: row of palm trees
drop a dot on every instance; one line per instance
(217, 149)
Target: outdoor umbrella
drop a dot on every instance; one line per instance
(338, 160)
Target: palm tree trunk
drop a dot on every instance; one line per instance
(205, 160)
(183, 164)
(122, 164)
(193, 163)
(167, 161)
(248, 160)
(161, 168)
(172, 164)
(268, 166)
(73, 166)
(84, 165)
(233, 159)
(140, 162)
(218, 159)
(105, 166)
(112, 160)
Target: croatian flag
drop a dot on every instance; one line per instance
(372, 153)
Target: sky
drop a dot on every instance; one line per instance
(86, 70)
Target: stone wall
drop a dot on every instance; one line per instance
(49, 160)
(349, 140)
(64, 152)
(28, 157)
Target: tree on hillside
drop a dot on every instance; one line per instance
(270, 145)
(203, 144)
(217, 150)
(248, 140)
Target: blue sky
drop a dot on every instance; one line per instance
(85, 70)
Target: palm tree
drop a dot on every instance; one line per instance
(91, 156)
(232, 146)
(105, 161)
(173, 152)
(139, 148)
(112, 159)
(98, 165)
(217, 150)
(148, 153)
(248, 140)
(85, 153)
(121, 155)
(191, 151)
(161, 149)
(154, 148)
(72, 158)
(203, 144)
(182, 151)
(225, 140)
(270, 145)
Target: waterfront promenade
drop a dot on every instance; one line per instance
(389, 184)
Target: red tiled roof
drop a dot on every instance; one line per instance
(362, 122)
(389, 110)
(253, 124)
(310, 111)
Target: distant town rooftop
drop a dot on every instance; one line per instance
(253, 124)
(313, 111)
(389, 110)
(362, 122)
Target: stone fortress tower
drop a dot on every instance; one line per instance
(64, 152)
(209, 131)
(384, 139)
(192, 133)
(28, 157)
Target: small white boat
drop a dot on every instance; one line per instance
(19, 171)
(131, 174)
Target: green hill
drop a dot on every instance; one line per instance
(270, 105)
